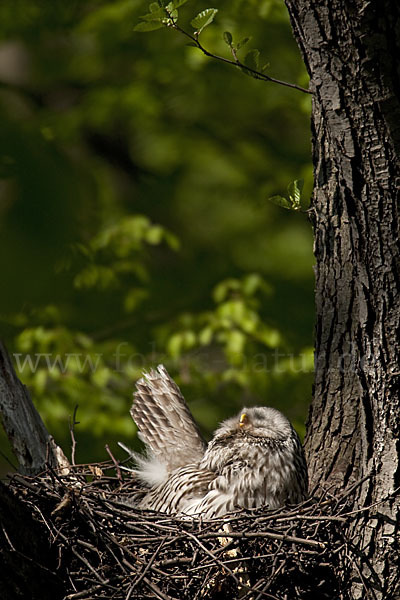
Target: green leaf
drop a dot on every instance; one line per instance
(174, 345)
(158, 14)
(172, 240)
(235, 310)
(228, 38)
(148, 26)
(294, 190)
(154, 15)
(206, 335)
(134, 298)
(172, 14)
(179, 342)
(203, 19)
(101, 376)
(224, 288)
(154, 235)
(250, 323)
(252, 283)
(234, 346)
(270, 337)
(40, 381)
(243, 42)
(97, 276)
(281, 201)
(252, 59)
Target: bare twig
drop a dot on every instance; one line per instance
(72, 423)
(146, 569)
(117, 469)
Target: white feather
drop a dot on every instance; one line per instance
(150, 470)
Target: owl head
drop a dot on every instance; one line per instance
(258, 421)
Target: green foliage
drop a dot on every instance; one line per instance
(159, 15)
(235, 325)
(117, 254)
(133, 218)
(149, 24)
(228, 39)
(203, 19)
(252, 59)
(293, 202)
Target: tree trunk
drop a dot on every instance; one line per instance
(33, 446)
(351, 50)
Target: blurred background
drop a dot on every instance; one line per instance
(135, 224)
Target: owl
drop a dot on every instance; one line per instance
(253, 460)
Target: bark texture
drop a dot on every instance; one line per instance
(351, 51)
(33, 446)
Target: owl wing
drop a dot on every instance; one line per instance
(165, 422)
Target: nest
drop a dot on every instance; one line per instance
(108, 549)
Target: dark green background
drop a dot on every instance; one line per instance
(134, 210)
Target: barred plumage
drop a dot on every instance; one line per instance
(254, 459)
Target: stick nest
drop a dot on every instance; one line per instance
(108, 549)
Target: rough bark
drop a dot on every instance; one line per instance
(351, 50)
(33, 446)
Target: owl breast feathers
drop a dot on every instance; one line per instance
(254, 459)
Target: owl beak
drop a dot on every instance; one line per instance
(243, 419)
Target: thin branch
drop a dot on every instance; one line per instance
(146, 569)
(266, 534)
(236, 62)
(72, 423)
(117, 468)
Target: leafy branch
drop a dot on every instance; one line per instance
(166, 15)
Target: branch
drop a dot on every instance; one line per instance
(72, 423)
(33, 446)
(236, 62)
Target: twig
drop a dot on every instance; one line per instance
(221, 563)
(236, 63)
(267, 534)
(72, 423)
(145, 570)
(366, 508)
(117, 469)
(89, 566)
